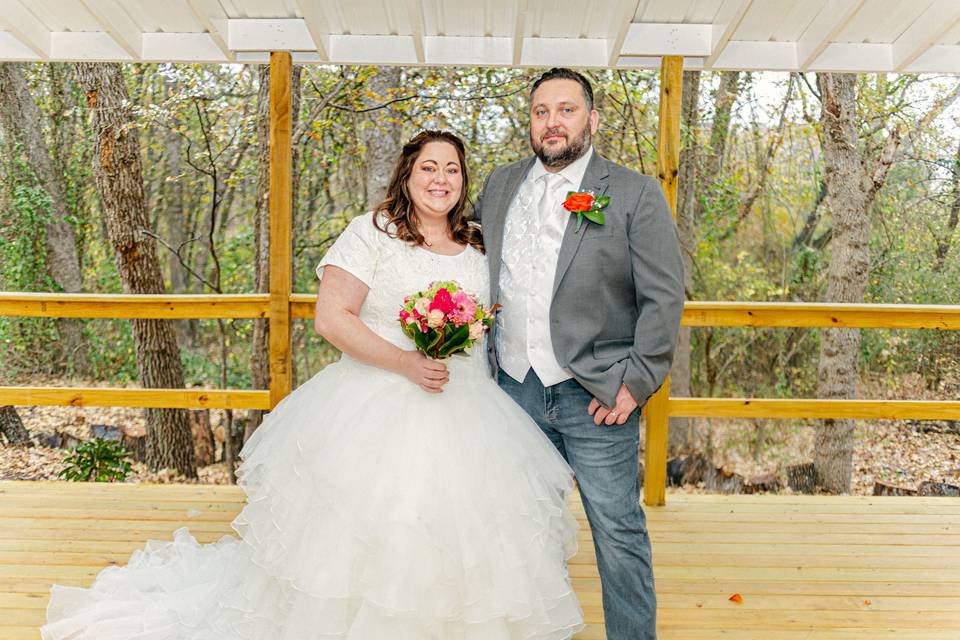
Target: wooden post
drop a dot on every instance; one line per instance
(668, 168)
(280, 223)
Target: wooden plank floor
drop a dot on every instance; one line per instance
(806, 567)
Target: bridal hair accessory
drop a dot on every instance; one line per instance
(444, 319)
(585, 205)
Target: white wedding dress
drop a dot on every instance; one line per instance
(375, 511)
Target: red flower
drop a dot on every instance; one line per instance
(578, 202)
(443, 301)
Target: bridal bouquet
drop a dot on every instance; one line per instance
(444, 319)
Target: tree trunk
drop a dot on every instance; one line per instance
(21, 119)
(680, 435)
(11, 428)
(946, 239)
(381, 133)
(260, 349)
(295, 173)
(848, 272)
(724, 99)
(119, 179)
(175, 218)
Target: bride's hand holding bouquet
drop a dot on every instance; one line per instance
(443, 321)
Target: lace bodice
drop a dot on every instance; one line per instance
(393, 269)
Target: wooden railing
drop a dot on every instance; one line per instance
(658, 410)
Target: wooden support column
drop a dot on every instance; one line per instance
(280, 223)
(668, 169)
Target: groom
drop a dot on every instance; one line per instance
(591, 312)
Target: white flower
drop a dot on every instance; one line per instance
(422, 305)
(476, 330)
(435, 319)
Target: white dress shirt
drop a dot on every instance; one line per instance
(531, 245)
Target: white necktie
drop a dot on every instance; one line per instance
(549, 205)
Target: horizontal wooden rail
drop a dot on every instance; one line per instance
(815, 314)
(812, 409)
(94, 305)
(153, 398)
(695, 314)
(302, 306)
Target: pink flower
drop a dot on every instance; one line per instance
(442, 301)
(466, 307)
(435, 318)
(476, 330)
(406, 318)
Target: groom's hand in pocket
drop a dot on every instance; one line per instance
(625, 404)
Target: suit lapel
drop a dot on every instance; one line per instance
(595, 180)
(498, 221)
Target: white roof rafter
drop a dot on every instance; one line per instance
(831, 20)
(117, 24)
(789, 35)
(25, 27)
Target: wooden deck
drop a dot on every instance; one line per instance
(805, 567)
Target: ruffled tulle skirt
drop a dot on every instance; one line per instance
(375, 511)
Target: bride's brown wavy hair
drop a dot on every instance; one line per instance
(397, 207)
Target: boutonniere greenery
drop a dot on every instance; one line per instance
(585, 205)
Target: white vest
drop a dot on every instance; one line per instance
(531, 244)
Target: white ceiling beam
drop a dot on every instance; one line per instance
(751, 55)
(25, 27)
(317, 25)
(819, 35)
(722, 33)
(518, 33)
(940, 58)
(87, 45)
(416, 26)
(13, 49)
(350, 49)
(267, 34)
(926, 31)
(564, 52)
(646, 39)
(181, 47)
(115, 22)
(257, 57)
(855, 57)
(212, 18)
(654, 62)
(619, 28)
(455, 50)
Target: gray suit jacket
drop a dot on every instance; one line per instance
(618, 293)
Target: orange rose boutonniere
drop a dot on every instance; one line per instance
(585, 205)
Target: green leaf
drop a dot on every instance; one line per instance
(420, 338)
(595, 216)
(456, 342)
(601, 201)
(435, 341)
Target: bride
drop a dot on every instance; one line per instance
(390, 497)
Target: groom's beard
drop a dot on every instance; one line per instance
(559, 159)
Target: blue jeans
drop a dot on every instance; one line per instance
(604, 460)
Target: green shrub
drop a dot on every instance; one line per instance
(98, 461)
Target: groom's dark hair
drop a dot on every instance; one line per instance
(562, 73)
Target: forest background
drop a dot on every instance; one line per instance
(792, 188)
